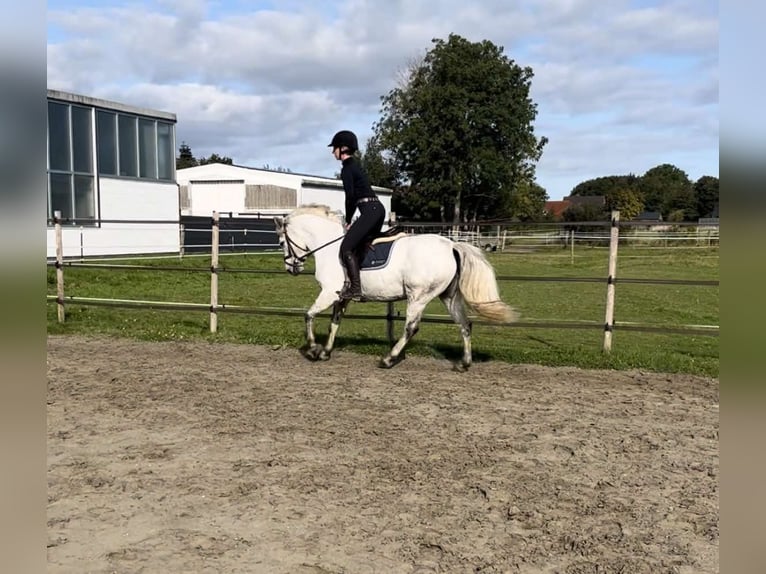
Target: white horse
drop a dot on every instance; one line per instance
(420, 268)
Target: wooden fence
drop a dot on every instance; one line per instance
(214, 308)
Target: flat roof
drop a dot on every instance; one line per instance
(109, 105)
(319, 181)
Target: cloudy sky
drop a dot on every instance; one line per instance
(621, 86)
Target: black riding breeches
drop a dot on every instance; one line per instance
(368, 224)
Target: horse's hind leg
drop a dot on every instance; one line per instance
(411, 326)
(456, 307)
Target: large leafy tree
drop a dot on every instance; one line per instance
(604, 185)
(380, 169)
(528, 202)
(626, 200)
(706, 194)
(667, 189)
(459, 128)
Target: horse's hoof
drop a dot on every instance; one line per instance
(324, 356)
(388, 362)
(461, 367)
(312, 353)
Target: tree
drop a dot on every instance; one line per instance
(379, 168)
(185, 157)
(459, 128)
(666, 188)
(528, 203)
(706, 195)
(625, 200)
(603, 185)
(215, 158)
(409, 203)
(586, 212)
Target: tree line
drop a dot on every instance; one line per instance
(456, 143)
(664, 190)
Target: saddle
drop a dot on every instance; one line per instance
(390, 234)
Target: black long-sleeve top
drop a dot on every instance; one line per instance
(355, 184)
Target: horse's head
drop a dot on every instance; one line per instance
(294, 253)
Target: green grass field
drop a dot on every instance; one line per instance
(657, 305)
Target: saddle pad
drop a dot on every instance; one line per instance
(377, 255)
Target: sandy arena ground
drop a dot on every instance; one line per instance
(217, 458)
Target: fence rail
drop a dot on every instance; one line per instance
(608, 326)
(705, 330)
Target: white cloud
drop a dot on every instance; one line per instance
(617, 84)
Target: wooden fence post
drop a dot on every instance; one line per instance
(614, 239)
(214, 274)
(182, 238)
(571, 245)
(59, 266)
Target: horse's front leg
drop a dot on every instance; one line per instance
(312, 350)
(338, 308)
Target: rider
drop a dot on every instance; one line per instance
(359, 194)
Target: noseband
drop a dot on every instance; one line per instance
(294, 260)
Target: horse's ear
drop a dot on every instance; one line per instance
(279, 222)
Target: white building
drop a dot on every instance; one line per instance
(110, 162)
(245, 191)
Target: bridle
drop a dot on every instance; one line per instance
(293, 260)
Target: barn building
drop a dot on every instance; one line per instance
(247, 199)
(109, 161)
(246, 191)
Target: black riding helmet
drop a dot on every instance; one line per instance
(345, 138)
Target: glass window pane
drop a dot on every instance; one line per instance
(61, 194)
(82, 138)
(106, 142)
(165, 156)
(58, 136)
(84, 197)
(128, 149)
(147, 145)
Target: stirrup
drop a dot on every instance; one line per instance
(347, 294)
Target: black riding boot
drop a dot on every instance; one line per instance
(353, 287)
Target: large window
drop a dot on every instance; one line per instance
(128, 142)
(106, 130)
(165, 159)
(147, 146)
(71, 182)
(126, 145)
(132, 146)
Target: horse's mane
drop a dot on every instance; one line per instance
(319, 210)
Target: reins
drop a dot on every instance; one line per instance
(292, 246)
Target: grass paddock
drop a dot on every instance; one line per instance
(656, 305)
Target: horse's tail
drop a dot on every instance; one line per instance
(478, 285)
